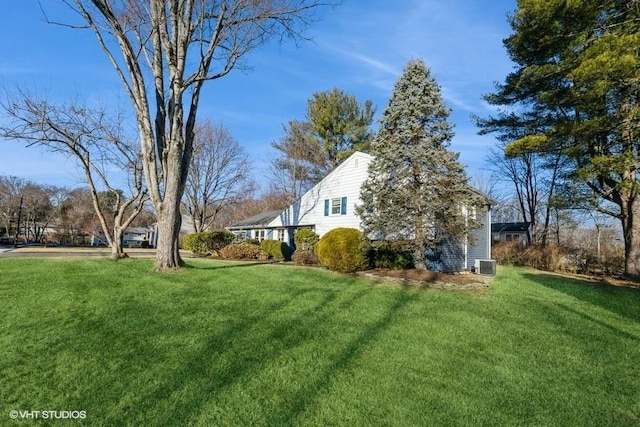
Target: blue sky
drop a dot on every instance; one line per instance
(360, 47)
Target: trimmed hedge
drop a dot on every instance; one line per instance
(393, 254)
(207, 241)
(344, 250)
(305, 239)
(276, 249)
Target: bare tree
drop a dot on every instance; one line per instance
(33, 205)
(95, 140)
(77, 216)
(164, 52)
(292, 172)
(219, 174)
(41, 206)
(10, 191)
(251, 205)
(534, 179)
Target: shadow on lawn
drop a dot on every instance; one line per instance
(247, 347)
(341, 362)
(622, 301)
(230, 264)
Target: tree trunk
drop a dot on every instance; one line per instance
(169, 221)
(631, 233)
(117, 252)
(419, 243)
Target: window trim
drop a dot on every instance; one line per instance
(335, 206)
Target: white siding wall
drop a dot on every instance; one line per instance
(344, 181)
(480, 245)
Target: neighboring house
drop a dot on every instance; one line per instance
(133, 237)
(257, 227)
(511, 232)
(331, 204)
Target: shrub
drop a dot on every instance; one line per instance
(275, 248)
(343, 249)
(242, 250)
(207, 241)
(304, 257)
(508, 253)
(263, 256)
(394, 254)
(305, 239)
(549, 257)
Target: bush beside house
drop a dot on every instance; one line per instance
(243, 250)
(344, 250)
(305, 241)
(276, 249)
(393, 254)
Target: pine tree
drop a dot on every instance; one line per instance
(575, 93)
(416, 188)
(335, 126)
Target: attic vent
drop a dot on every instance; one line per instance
(355, 162)
(485, 266)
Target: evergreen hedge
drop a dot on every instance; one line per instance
(207, 241)
(344, 250)
(393, 254)
(276, 249)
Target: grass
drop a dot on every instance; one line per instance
(234, 344)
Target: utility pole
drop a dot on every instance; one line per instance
(15, 241)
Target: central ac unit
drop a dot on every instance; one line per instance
(485, 266)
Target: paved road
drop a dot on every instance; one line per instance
(39, 251)
(5, 248)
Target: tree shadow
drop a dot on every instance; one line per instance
(622, 301)
(230, 264)
(587, 318)
(341, 362)
(246, 347)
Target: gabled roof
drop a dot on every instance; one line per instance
(490, 200)
(498, 227)
(261, 219)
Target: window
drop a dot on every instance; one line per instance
(336, 206)
(512, 237)
(260, 235)
(281, 235)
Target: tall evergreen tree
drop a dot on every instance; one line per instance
(416, 188)
(576, 93)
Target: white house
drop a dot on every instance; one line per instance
(331, 204)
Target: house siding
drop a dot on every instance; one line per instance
(447, 257)
(315, 210)
(479, 246)
(314, 207)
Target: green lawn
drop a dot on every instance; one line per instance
(225, 344)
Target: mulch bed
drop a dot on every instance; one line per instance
(428, 279)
